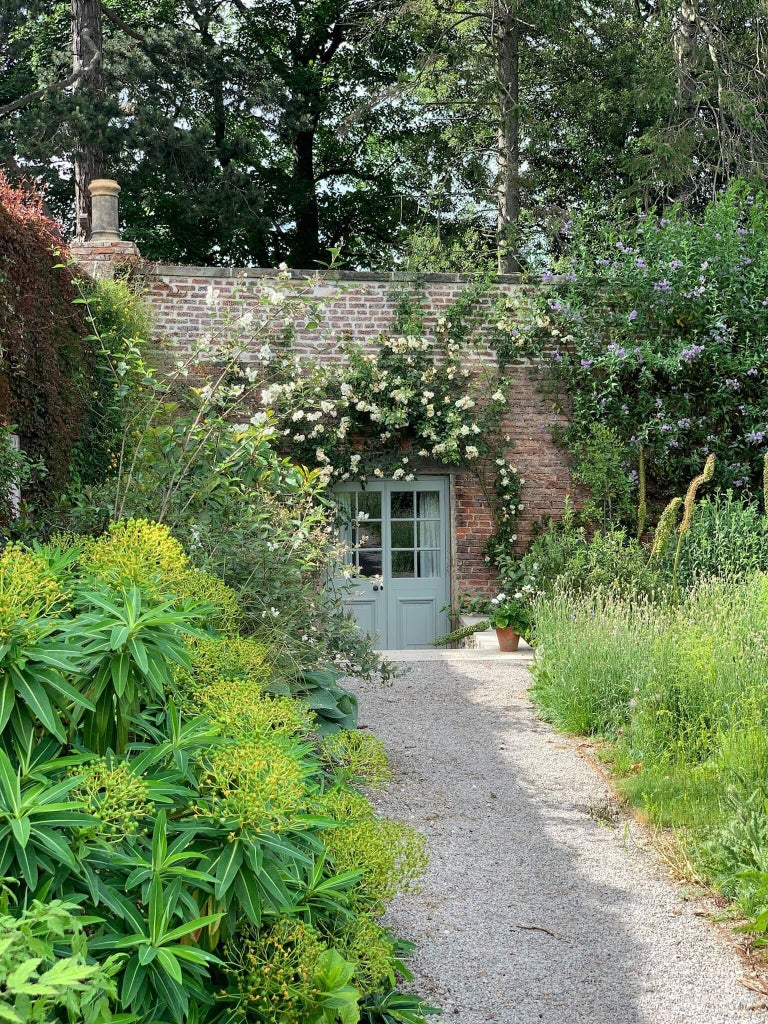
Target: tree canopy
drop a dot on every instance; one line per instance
(435, 132)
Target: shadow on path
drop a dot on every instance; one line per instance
(532, 910)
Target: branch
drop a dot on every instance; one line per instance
(65, 83)
(139, 37)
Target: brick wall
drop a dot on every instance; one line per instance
(190, 303)
(195, 302)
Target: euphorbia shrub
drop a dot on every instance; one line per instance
(658, 331)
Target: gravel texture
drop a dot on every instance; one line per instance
(541, 903)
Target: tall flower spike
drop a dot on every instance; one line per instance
(665, 528)
(642, 508)
(690, 498)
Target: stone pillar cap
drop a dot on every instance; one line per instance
(104, 187)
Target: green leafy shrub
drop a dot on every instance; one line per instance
(655, 331)
(728, 538)
(114, 795)
(358, 757)
(45, 970)
(289, 974)
(120, 329)
(389, 854)
(180, 808)
(565, 557)
(603, 467)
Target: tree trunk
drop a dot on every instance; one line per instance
(306, 249)
(88, 158)
(507, 29)
(686, 58)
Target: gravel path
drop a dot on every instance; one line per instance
(534, 909)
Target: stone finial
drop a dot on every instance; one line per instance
(105, 224)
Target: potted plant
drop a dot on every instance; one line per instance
(511, 618)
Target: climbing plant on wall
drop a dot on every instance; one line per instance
(388, 411)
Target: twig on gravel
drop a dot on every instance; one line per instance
(537, 928)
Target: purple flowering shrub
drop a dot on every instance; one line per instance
(659, 331)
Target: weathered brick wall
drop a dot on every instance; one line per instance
(198, 302)
(190, 303)
(541, 463)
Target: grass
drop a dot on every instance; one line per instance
(681, 693)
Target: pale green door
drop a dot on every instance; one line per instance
(397, 532)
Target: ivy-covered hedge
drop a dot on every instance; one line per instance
(47, 362)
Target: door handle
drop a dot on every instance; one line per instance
(377, 587)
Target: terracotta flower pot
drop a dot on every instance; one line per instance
(508, 638)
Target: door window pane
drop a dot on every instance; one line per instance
(344, 502)
(369, 502)
(369, 535)
(429, 533)
(369, 562)
(402, 535)
(402, 563)
(429, 564)
(401, 504)
(428, 504)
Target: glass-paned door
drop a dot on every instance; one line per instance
(396, 534)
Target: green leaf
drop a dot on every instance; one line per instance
(7, 700)
(159, 841)
(190, 926)
(28, 863)
(55, 682)
(119, 668)
(134, 977)
(248, 896)
(37, 701)
(170, 965)
(139, 652)
(147, 954)
(21, 829)
(157, 914)
(9, 782)
(55, 844)
(226, 867)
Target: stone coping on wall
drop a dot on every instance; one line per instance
(384, 277)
